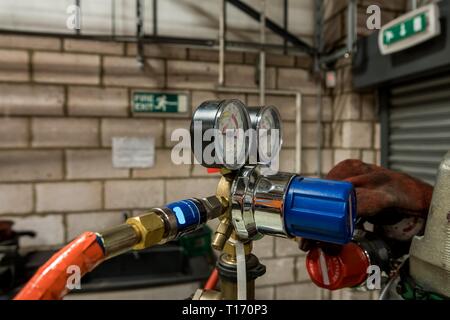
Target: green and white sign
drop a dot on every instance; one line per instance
(410, 29)
(405, 29)
(161, 103)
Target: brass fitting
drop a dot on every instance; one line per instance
(202, 294)
(222, 233)
(224, 187)
(119, 239)
(150, 227)
(230, 248)
(215, 206)
(224, 228)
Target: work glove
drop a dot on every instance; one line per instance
(394, 200)
(379, 190)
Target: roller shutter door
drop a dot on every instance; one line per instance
(419, 126)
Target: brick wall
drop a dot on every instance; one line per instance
(355, 125)
(62, 101)
(335, 18)
(355, 128)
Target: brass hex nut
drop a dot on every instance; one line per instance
(150, 226)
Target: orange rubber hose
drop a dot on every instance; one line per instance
(212, 280)
(50, 281)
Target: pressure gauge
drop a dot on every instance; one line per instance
(219, 134)
(267, 123)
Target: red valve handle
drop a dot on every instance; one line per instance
(346, 269)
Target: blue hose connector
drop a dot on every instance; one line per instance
(187, 214)
(318, 209)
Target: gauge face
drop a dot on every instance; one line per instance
(219, 130)
(231, 144)
(267, 135)
(268, 125)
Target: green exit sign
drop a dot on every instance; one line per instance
(159, 103)
(405, 29)
(409, 29)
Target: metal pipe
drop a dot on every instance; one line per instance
(227, 267)
(319, 14)
(413, 4)
(338, 53)
(318, 33)
(275, 28)
(78, 16)
(140, 30)
(262, 55)
(319, 125)
(351, 25)
(243, 46)
(256, 91)
(155, 17)
(119, 239)
(285, 23)
(298, 136)
(349, 47)
(113, 17)
(222, 19)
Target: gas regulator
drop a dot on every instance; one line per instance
(253, 199)
(243, 144)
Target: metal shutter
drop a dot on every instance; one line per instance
(419, 126)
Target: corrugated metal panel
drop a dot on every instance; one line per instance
(419, 126)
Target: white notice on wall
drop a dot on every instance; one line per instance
(133, 152)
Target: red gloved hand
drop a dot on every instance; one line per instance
(382, 195)
(379, 190)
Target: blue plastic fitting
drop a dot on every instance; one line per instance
(318, 209)
(187, 214)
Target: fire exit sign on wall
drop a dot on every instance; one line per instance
(410, 29)
(405, 29)
(159, 103)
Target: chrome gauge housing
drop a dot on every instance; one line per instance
(220, 134)
(266, 121)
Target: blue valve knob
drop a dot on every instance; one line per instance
(318, 209)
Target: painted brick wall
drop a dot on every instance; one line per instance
(355, 125)
(355, 128)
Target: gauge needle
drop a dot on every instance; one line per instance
(235, 120)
